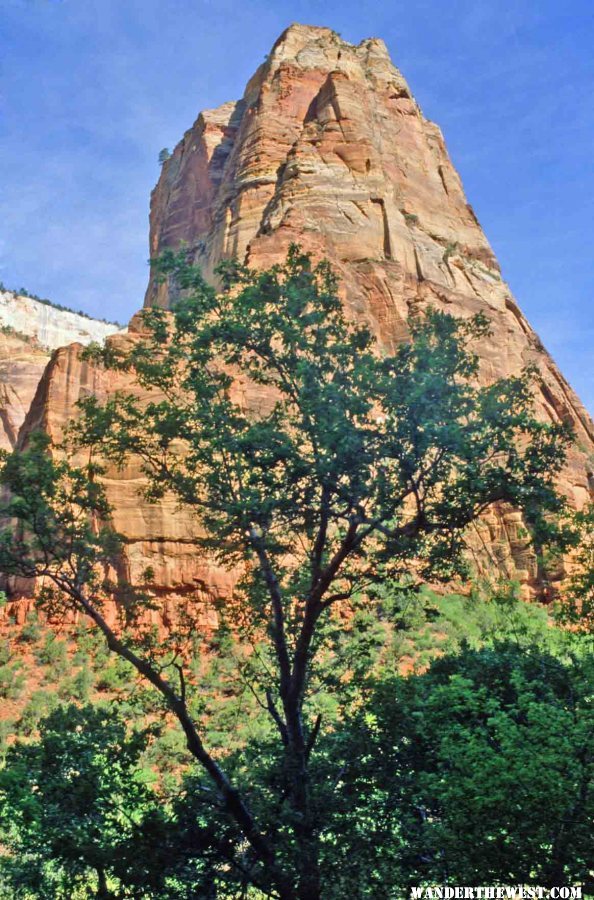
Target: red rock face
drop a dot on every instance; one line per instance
(157, 536)
(328, 149)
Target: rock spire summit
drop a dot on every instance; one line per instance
(328, 149)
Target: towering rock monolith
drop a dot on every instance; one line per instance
(329, 149)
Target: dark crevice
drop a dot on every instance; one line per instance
(513, 309)
(556, 404)
(387, 243)
(9, 428)
(312, 111)
(420, 276)
(443, 181)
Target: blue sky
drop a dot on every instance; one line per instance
(91, 90)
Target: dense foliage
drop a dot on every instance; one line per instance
(321, 467)
(70, 805)
(479, 770)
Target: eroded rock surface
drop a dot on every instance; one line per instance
(327, 148)
(22, 364)
(158, 536)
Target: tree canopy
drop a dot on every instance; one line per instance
(318, 464)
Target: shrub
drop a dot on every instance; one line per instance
(40, 705)
(12, 681)
(53, 653)
(31, 631)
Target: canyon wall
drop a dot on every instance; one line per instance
(29, 331)
(327, 148)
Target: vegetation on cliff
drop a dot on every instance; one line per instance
(23, 292)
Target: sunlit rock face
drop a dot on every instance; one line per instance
(29, 331)
(329, 149)
(48, 325)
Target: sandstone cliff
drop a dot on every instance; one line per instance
(327, 148)
(29, 331)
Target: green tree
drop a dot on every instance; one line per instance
(71, 805)
(479, 771)
(576, 604)
(356, 466)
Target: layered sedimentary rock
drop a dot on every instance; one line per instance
(158, 536)
(327, 148)
(29, 331)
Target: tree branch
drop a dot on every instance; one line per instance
(274, 591)
(233, 802)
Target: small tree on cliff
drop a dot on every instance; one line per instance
(312, 462)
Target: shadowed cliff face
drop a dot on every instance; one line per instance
(329, 149)
(22, 364)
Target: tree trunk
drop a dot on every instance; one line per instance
(103, 892)
(309, 877)
(308, 858)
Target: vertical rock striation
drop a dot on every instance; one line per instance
(327, 148)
